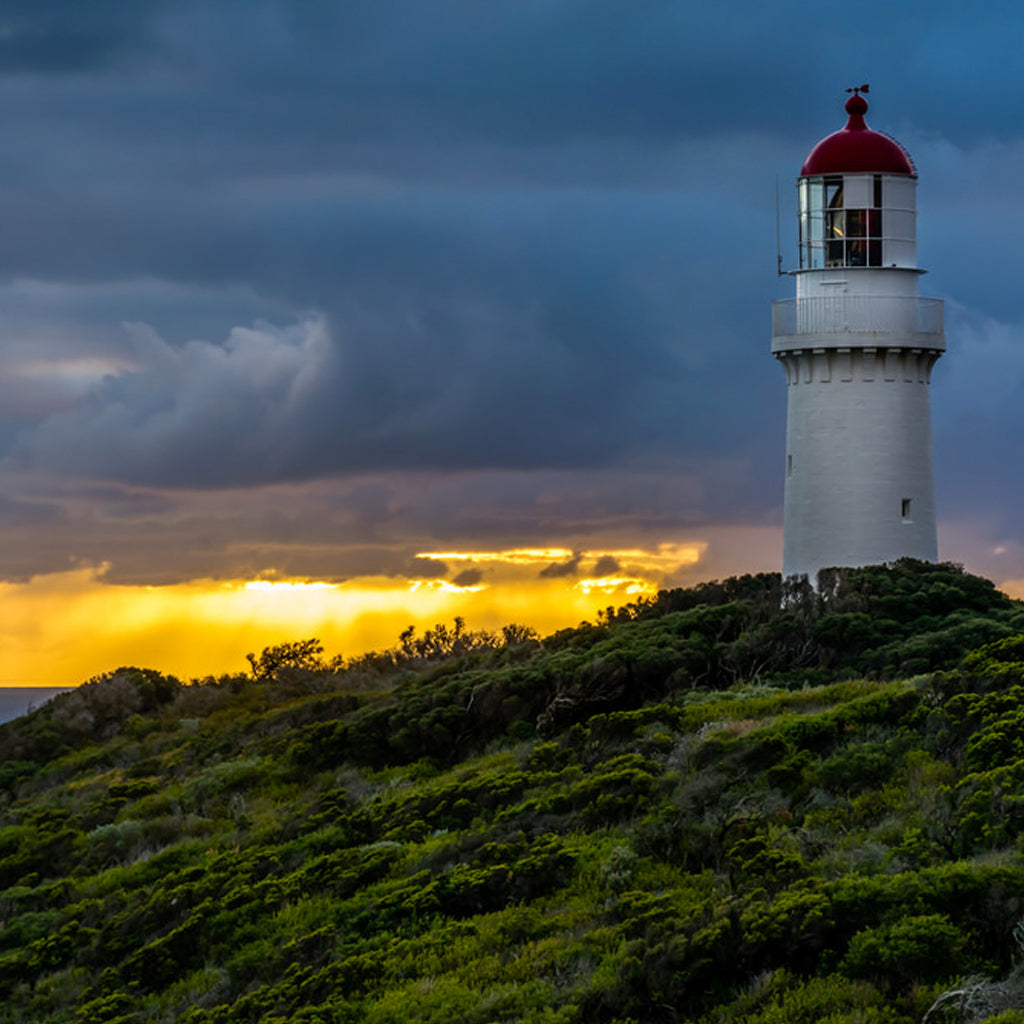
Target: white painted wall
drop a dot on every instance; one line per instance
(856, 449)
(857, 281)
(858, 346)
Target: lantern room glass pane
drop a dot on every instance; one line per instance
(835, 235)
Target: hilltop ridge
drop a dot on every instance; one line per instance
(724, 803)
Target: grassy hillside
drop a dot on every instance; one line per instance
(717, 805)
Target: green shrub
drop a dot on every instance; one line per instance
(922, 948)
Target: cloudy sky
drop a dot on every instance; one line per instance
(321, 315)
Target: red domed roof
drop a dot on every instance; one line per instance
(857, 149)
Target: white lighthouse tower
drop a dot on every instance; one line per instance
(857, 345)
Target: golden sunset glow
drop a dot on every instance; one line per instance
(633, 562)
(445, 587)
(60, 629)
(515, 556)
(616, 585)
(63, 628)
(287, 586)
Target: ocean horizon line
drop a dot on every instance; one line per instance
(16, 701)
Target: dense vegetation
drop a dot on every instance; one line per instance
(723, 804)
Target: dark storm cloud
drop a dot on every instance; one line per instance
(556, 570)
(540, 70)
(424, 569)
(468, 578)
(64, 36)
(340, 528)
(978, 400)
(522, 330)
(606, 565)
(512, 243)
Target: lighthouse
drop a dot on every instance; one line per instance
(857, 345)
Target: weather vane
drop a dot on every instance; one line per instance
(860, 88)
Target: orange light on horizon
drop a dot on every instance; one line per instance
(512, 556)
(447, 587)
(288, 586)
(62, 628)
(616, 585)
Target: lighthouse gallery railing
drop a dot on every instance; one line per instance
(857, 314)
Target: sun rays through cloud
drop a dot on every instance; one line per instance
(62, 628)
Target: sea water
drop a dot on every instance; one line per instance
(19, 700)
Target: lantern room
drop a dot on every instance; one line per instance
(856, 196)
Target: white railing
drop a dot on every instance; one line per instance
(857, 314)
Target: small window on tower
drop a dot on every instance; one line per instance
(789, 465)
(905, 510)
